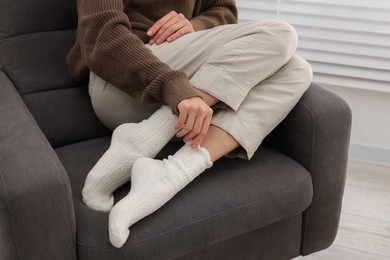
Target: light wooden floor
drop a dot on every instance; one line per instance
(364, 231)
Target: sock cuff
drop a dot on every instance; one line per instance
(198, 153)
(189, 162)
(206, 155)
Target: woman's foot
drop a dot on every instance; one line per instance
(129, 142)
(153, 183)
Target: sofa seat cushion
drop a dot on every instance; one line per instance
(231, 198)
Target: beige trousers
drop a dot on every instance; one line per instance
(251, 67)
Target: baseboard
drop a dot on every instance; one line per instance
(369, 153)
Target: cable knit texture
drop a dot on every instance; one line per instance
(153, 183)
(129, 142)
(110, 41)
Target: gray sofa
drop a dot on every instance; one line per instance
(283, 203)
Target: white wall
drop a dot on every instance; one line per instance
(370, 140)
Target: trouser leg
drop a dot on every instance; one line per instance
(265, 106)
(114, 107)
(226, 62)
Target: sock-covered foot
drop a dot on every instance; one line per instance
(129, 142)
(153, 183)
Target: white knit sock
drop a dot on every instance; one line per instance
(129, 142)
(153, 183)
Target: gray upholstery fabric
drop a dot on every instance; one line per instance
(278, 241)
(65, 115)
(35, 36)
(321, 124)
(41, 66)
(33, 47)
(233, 197)
(22, 17)
(36, 209)
(235, 210)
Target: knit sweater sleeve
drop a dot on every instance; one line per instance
(110, 49)
(213, 13)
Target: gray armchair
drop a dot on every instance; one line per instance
(283, 203)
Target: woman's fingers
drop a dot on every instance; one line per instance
(169, 28)
(188, 126)
(195, 117)
(198, 139)
(160, 23)
(179, 33)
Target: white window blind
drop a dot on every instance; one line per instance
(347, 42)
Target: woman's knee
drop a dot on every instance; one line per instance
(284, 37)
(302, 70)
(305, 67)
(287, 37)
(286, 30)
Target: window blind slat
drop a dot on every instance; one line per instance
(354, 61)
(345, 47)
(347, 42)
(332, 23)
(349, 71)
(350, 37)
(350, 82)
(373, 4)
(334, 12)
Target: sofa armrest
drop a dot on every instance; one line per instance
(316, 134)
(36, 207)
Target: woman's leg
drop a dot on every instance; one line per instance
(129, 141)
(218, 143)
(228, 61)
(266, 105)
(114, 107)
(155, 182)
(225, 62)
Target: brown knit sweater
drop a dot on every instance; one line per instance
(110, 41)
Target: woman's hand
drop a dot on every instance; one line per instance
(194, 119)
(169, 28)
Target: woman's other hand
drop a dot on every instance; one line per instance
(194, 120)
(169, 28)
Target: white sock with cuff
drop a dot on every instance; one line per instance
(129, 142)
(153, 183)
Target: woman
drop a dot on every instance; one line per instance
(220, 88)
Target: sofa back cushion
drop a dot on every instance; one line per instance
(35, 37)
